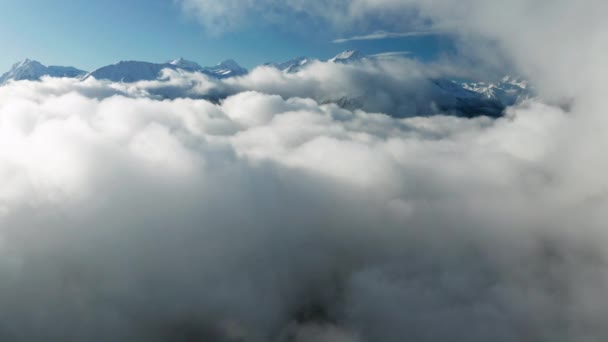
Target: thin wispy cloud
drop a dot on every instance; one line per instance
(391, 54)
(384, 35)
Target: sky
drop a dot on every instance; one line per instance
(90, 34)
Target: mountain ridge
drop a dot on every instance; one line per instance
(33, 70)
(465, 98)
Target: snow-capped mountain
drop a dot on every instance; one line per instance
(184, 64)
(225, 69)
(33, 71)
(293, 65)
(134, 71)
(509, 91)
(348, 57)
(299, 63)
(429, 97)
(454, 97)
(487, 98)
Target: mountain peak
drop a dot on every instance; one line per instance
(293, 65)
(26, 62)
(29, 69)
(348, 56)
(227, 68)
(185, 64)
(178, 61)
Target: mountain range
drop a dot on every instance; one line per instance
(461, 98)
(134, 71)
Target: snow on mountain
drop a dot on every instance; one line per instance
(297, 64)
(431, 96)
(225, 69)
(33, 71)
(509, 91)
(348, 57)
(454, 97)
(184, 64)
(293, 65)
(489, 98)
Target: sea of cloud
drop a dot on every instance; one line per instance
(271, 214)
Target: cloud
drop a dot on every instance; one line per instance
(384, 35)
(130, 217)
(392, 54)
(272, 215)
(338, 15)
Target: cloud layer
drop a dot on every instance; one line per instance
(263, 218)
(127, 214)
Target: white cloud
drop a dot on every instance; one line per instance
(271, 216)
(378, 35)
(391, 54)
(266, 217)
(340, 15)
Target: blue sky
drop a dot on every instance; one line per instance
(89, 34)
